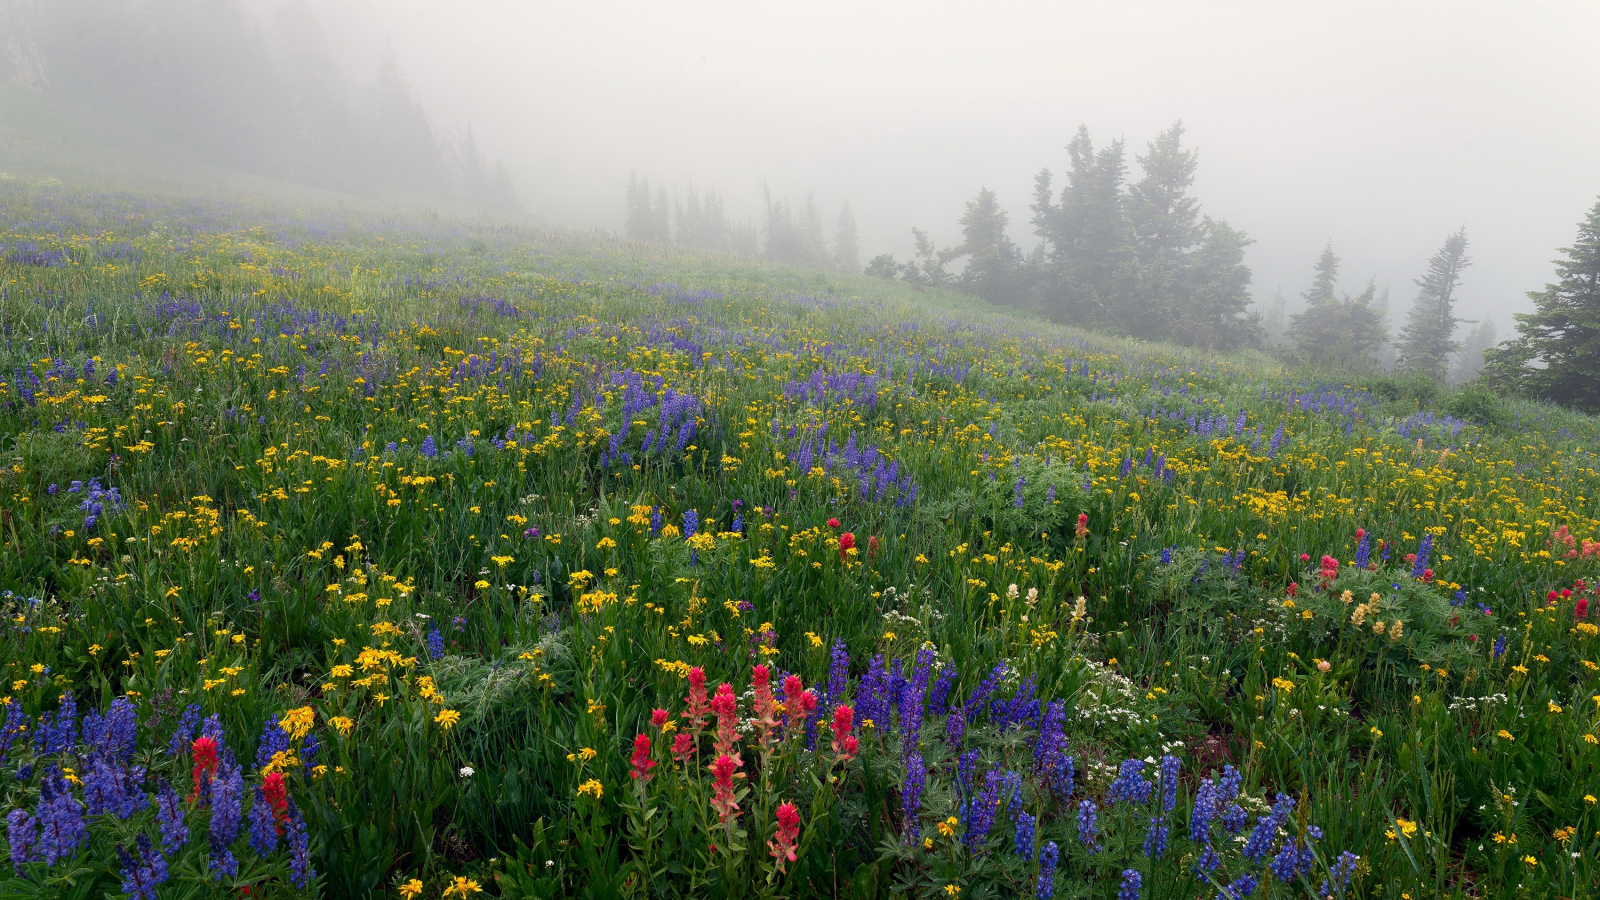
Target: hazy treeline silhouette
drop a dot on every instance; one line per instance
(268, 100)
(787, 233)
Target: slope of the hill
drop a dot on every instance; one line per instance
(395, 534)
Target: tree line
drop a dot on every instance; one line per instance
(272, 102)
(787, 232)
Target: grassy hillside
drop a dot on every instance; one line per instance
(408, 554)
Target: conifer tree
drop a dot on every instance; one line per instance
(1213, 296)
(1331, 331)
(1427, 341)
(846, 245)
(1469, 359)
(1166, 225)
(992, 258)
(1556, 354)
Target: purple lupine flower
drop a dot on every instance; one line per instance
(184, 733)
(1046, 888)
(110, 789)
(169, 816)
(1169, 783)
(691, 523)
(227, 793)
(1363, 550)
(1228, 788)
(911, 796)
(300, 871)
(980, 696)
(61, 827)
(435, 643)
(838, 672)
(1259, 846)
(939, 697)
(308, 754)
(22, 834)
(1050, 493)
(16, 723)
(1089, 824)
(1240, 887)
(263, 826)
(1017, 490)
(980, 818)
(1132, 883)
(1155, 839)
(1023, 842)
(142, 873)
(274, 740)
(1130, 785)
(1339, 875)
(1203, 811)
(1419, 568)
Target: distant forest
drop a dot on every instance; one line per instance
(1130, 256)
(265, 98)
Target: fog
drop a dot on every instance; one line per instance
(1380, 127)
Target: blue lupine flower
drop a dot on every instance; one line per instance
(435, 643)
(169, 816)
(691, 523)
(1088, 824)
(1239, 888)
(1166, 556)
(115, 733)
(1363, 550)
(1499, 648)
(1130, 785)
(980, 818)
(1285, 865)
(142, 873)
(1047, 871)
(1050, 493)
(911, 796)
(428, 448)
(263, 826)
(1234, 819)
(1017, 489)
(1023, 842)
(227, 792)
(1339, 875)
(274, 740)
(1266, 831)
(1169, 782)
(184, 733)
(300, 871)
(61, 827)
(1132, 883)
(22, 834)
(1421, 564)
(1155, 839)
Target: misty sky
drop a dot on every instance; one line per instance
(1383, 126)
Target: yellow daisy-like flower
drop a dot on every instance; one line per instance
(592, 787)
(447, 718)
(462, 886)
(411, 889)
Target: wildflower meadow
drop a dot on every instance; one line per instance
(360, 553)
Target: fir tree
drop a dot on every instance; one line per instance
(1331, 331)
(846, 245)
(992, 259)
(1275, 321)
(1469, 359)
(640, 223)
(1165, 223)
(1427, 341)
(1556, 354)
(1214, 293)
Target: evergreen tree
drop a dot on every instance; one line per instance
(1469, 359)
(1385, 355)
(992, 259)
(846, 246)
(1165, 222)
(1214, 295)
(883, 266)
(1275, 322)
(1427, 341)
(813, 248)
(1556, 354)
(640, 222)
(661, 218)
(926, 269)
(1334, 331)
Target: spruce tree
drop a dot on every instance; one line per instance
(1166, 226)
(1427, 341)
(641, 218)
(1213, 298)
(846, 245)
(1469, 359)
(1556, 354)
(1331, 331)
(992, 258)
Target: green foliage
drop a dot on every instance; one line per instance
(1556, 354)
